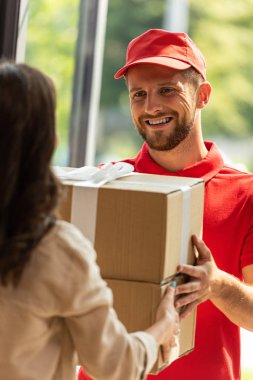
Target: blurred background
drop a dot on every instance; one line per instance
(82, 43)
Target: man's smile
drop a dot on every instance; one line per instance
(158, 122)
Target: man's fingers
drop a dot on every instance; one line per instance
(197, 297)
(186, 310)
(189, 287)
(190, 270)
(203, 251)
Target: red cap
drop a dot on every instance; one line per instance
(160, 47)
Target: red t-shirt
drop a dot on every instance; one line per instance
(228, 232)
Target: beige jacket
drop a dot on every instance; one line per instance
(60, 315)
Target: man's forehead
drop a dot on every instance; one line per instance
(156, 73)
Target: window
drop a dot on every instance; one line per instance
(50, 46)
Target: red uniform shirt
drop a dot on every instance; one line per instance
(228, 232)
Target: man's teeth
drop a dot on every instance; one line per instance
(162, 121)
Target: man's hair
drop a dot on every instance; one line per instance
(28, 188)
(193, 76)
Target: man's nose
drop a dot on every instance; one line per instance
(152, 105)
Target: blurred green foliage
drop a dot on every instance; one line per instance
(223, 31)
(247, 375)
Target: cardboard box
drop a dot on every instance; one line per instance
(136, 304)
(141, 225)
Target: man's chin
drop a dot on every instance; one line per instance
(161, 146)
(165, 143)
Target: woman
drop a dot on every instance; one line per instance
(54, 304)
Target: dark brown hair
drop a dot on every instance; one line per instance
(28, 188)
(193, 76)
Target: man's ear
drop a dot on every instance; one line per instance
(204, 93)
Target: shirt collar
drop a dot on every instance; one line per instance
(207, 168)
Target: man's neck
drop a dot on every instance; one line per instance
(184, 155)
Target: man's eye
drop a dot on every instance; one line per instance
(139, 94)
(166, 90)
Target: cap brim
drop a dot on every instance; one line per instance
(162, 61)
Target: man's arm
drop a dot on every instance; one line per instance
(231, 296)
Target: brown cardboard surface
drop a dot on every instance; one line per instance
(65, 203)
(136, 304)
(138, 224)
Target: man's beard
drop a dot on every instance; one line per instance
(158, 140)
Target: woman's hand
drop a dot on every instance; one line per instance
(167, 312)
(166, 328)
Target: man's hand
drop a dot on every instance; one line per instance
(204, 278)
